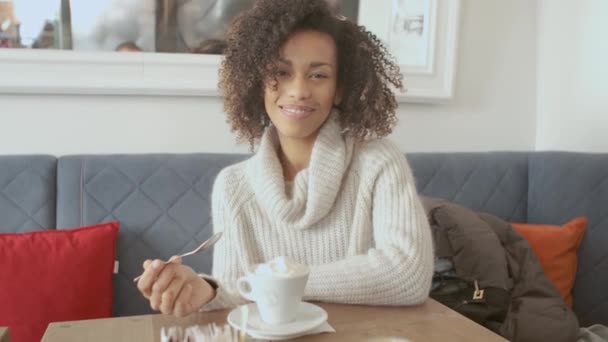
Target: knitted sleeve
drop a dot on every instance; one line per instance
(398, 270)
(225, 271)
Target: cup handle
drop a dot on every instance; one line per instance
(243, 285)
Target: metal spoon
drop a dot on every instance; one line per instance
(203, 247)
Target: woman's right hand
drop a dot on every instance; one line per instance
(174, 288)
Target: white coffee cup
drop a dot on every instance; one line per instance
(277, 288)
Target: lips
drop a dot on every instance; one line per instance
(297, 111)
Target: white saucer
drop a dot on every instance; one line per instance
(276, 337)
(309, 317)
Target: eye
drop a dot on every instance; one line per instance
(282, 73)
(318, 75)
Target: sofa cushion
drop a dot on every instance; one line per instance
(556, 247)
(492, 182)
(55, 275)
(162, 201)
(27, 193)
(564, 185)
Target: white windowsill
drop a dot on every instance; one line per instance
(58, 72)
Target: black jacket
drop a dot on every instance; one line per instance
(489, 251)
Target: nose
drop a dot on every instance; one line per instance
(298, 88)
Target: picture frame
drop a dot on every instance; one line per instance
(422, 35)
(63, 72)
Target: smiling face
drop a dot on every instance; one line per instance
(306, 88)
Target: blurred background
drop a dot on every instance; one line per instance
(182, 26)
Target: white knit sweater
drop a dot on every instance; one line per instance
(354, 218)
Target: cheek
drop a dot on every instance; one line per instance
(326, 95)
(270, 96)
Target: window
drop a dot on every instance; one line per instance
(175, 26)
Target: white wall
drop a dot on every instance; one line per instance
(494, 107)
(572, 111)
(113, 124)
(495, 103)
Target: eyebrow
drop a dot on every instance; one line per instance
(312, 64)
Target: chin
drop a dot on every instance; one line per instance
(302, 128)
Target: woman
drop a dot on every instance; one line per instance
(313, 92)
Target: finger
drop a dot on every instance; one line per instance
(165, 277)
(167, 302)
(155, 301)
(183, 303)
(145, 265)
(161, 283)
(176, 259)
(149, 277)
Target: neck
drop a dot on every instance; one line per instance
(294, 155)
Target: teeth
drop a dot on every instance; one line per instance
(295, 111)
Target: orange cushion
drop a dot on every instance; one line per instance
(556, 248)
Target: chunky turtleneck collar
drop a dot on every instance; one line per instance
(315, 188)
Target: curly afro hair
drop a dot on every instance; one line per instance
(366, 70)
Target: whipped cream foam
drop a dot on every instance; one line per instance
(282, 267)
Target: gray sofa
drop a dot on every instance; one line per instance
(163, 201)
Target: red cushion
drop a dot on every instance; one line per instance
(55, 275)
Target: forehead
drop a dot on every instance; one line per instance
(304, 47)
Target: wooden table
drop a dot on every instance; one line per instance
(428, 322)
(4, 336)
